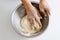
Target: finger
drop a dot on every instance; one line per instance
(37, 18)
(47, 12)
(44, 12)
(38, 21)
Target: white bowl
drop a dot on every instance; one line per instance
(17, 14)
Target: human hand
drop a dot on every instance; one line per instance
(44, 8)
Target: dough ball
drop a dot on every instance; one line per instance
(26, 26)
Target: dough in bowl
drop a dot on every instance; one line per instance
(26, 26)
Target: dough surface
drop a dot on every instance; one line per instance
(26, 27)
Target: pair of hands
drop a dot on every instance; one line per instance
(33, 13)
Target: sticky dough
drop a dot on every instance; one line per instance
(25, 26)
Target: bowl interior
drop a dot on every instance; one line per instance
(20, 12)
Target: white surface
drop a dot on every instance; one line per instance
(7, 32)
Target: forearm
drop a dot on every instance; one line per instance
(27, 4)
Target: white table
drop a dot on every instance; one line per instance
(8, 33)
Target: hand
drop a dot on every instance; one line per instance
(32, 12)
(44, 8)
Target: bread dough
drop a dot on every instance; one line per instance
(26, 28)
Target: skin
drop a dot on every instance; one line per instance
(44, 7)
(32, 12)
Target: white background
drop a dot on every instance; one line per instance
(8, 33)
